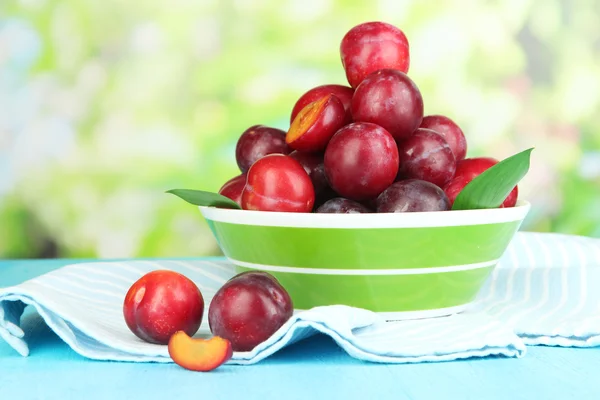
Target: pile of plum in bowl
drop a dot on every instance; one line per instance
(366, 200)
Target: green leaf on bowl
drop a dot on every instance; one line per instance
(202, 198)
(491, 187)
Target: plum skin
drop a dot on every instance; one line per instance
(278, 183)
(248, 309)
(372, 46)
(233, 188)
(412, 195)
(390, 99)
(450, 131)
(427, 156)
(161, 303)
(257, 142)
(339, 205)
(361, 160)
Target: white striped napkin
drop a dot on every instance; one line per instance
(542, 292)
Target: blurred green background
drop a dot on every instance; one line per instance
(104, 105)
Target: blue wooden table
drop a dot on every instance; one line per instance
(312, 369)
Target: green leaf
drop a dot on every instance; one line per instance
(202, 198)
(491, 187)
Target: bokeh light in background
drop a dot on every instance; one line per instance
(104, 105)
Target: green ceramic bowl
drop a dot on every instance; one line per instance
(402, 265)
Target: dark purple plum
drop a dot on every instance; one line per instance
(248, 309)
(339, 205)
(412, 195)
(427, 156)
(390, 99)
(450, 131)
(361, 160)
(258, 141)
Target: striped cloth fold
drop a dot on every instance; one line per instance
(541, 293)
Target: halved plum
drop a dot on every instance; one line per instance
(315, 124)
(344, 93)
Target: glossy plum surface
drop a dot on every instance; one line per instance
(248, 309)
(315, 124)
(372, 46)
(233, 188)
(258, 141)
(412, 195)
(450, 131)
(390, 99)
(161, 303)
(339, 205)
(425, 155)
(343, 93)
(471, 167)
(278, 182)
(361, 160)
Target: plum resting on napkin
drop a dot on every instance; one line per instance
(161, 303)
(166, 307)
(249, 309)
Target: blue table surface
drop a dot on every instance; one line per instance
(312, 369)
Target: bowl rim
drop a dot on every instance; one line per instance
(370, 220)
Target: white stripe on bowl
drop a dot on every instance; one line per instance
(368, 221)
(331, 271)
